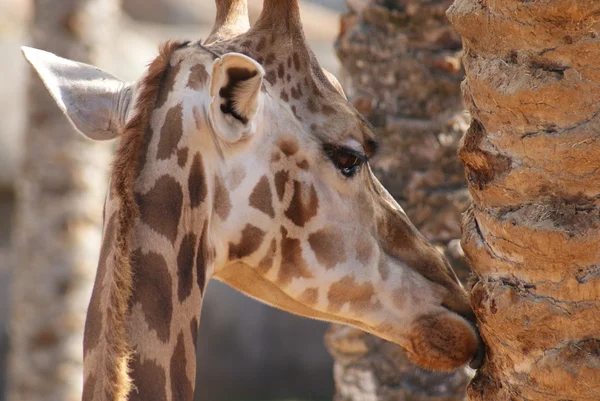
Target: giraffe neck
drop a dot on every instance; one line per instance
(142, 323)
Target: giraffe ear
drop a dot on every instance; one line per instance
(94, 101)
(235, 96)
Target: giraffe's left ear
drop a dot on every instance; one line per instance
(235, 96)
(94, 101)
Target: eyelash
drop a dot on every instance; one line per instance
(349, 167)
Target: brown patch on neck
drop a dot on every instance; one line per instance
(236, 177)
(117, 355)
(182, 157)
(252, 237)
(171, 133)
(293, 264)
(198, 77)
(281, 178)
(182, 388)
(222, 202)
(267, 261)
(261, 197)
(167, 85)
(149, 380)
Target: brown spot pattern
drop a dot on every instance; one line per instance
(281, 178)
(152, 291)
(202, 257)
(143, 152)
(160, 208)
(327, 109)
(293, 264)
(364, 250)
(182, 156)
(198, 77)
(197, 182)
(289, 147)
(266, 262)
(260, 198)
(149, 380)
(252, 237)
(222, 201)
(125, 168)
(280, 70)
(270, 77)
(171, 133)
(194, 331)
(328, 246)
(181, 386)
(303, 164)
(236, 177)
(348, 291)
(185, 266)
(284, 96)
(299, 212)
(296, 61)
(309, 296)
(167, 86)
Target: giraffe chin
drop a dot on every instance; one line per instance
(444, 341)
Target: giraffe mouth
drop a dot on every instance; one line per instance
(479, 356)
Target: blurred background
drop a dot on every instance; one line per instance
(400, 64)
(247, 350)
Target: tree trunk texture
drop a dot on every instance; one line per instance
(532, 158)
(402, 70)
(59, 196)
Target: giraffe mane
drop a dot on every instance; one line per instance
(124, 174)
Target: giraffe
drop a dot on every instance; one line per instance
(240, 159)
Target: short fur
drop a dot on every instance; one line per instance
(124, 175)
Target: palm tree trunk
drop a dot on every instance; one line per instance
(402, 70)
(59, 197)
(532, 158)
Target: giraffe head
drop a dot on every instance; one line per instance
(251, 160)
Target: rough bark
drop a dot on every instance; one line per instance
(402, 70)
(59, 196)
(532, 157)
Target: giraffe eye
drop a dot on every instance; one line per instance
(347, 160)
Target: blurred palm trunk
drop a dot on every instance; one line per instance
(532, 155)
(59, 196)
(402, 70)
